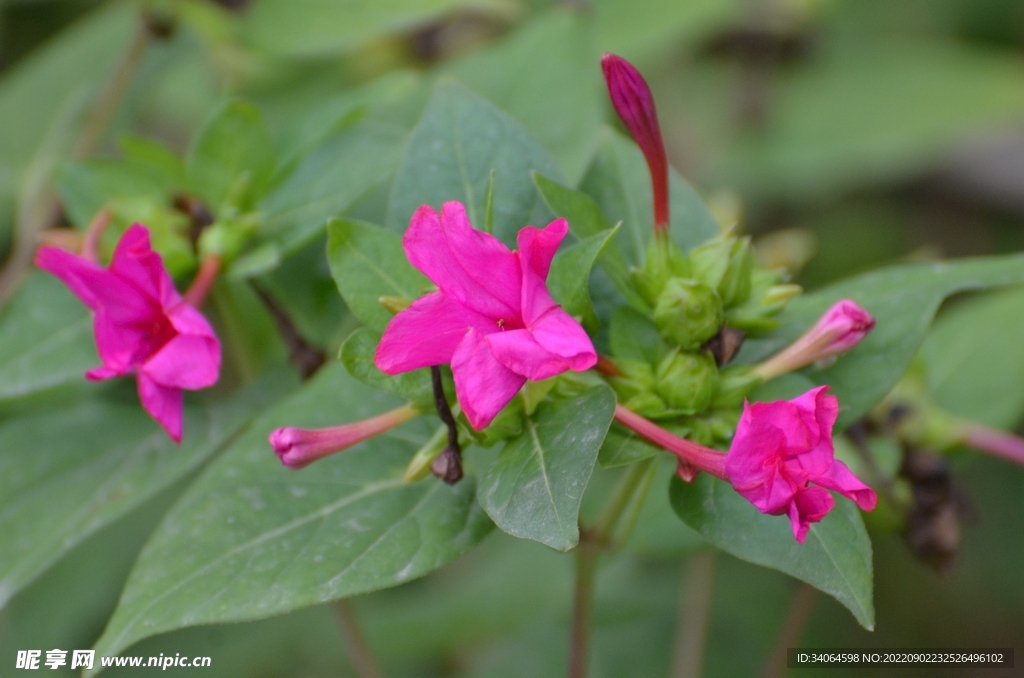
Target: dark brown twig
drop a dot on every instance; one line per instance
(305, 357)
(448, 465)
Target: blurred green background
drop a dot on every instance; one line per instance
(862, 132)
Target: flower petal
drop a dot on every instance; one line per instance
(136, 263)
(164, 403)
(537, 246)
(188, 361)
(810, 505)
(470, 266)
(841, 479)
(483, 385)
(427, 333)
(520, 351)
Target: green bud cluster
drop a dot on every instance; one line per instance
(692, 299)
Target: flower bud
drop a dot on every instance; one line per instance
(688, 312)
(663, 262)
(687, 381)
(726, 264)
(837, 331)
(298, 447)
(634, 103)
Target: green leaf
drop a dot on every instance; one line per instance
(569, 277)
(309, 28)
(552, 58)
(975, 365)
(46, 333)
(368, 263)
(157, 157)
(329, 180)
(586, 221)
(903, 299)
(252, 538)
(231, 153)
(357, 356)
(66, 471)
(623, 446)
(458, 141)
(86, 186)
(536, 484)
(619, 181)
(835, 558)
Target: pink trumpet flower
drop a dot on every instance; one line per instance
(780, 448)
(837, 331)
(141, 324)
(634, 103)
(492, 317)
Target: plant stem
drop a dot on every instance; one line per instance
(694, 614)
(625, 501)
(359, 652)
(201, 284)
(792, 628)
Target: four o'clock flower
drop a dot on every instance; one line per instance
(781, 448)
(298, 447)
(840, 329)
(634, 103)
(492, 318)
(142, 325)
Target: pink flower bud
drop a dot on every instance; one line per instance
(298, 447)
(780, 448)
(632, 100)
(837, 331)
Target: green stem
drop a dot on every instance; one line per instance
(626, 501)
(694, 613)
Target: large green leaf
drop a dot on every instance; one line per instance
(460, 140)
(535, 486)
(835, 558)
(975, 364)
(252, 538)
(47, 337)
(329, 180)
(321, 27)
(569, 277)
(547, 76)
(357, 355)
(68, 470)
(903, 299)
(231, 150)
(618, 179)
(368, 263)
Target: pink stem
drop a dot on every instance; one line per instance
(688, 452)
(996, 442)
(200, 287)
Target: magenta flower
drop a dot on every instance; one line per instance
(298, 447)
(780, 448)
(492, 318)
(837, 331)
(634, 103)
(142, 325)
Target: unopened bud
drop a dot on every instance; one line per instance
(634, 103)
(298, 447)
(687, 381)
(688, 312)
(663, 262)
(837, 331)
(726, 264)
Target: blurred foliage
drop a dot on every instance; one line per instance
(859, 124)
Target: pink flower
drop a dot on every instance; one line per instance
(298, 447)
(780, 448)
(142, 325)
(492, 318)
(634, 103)
(837, 331)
